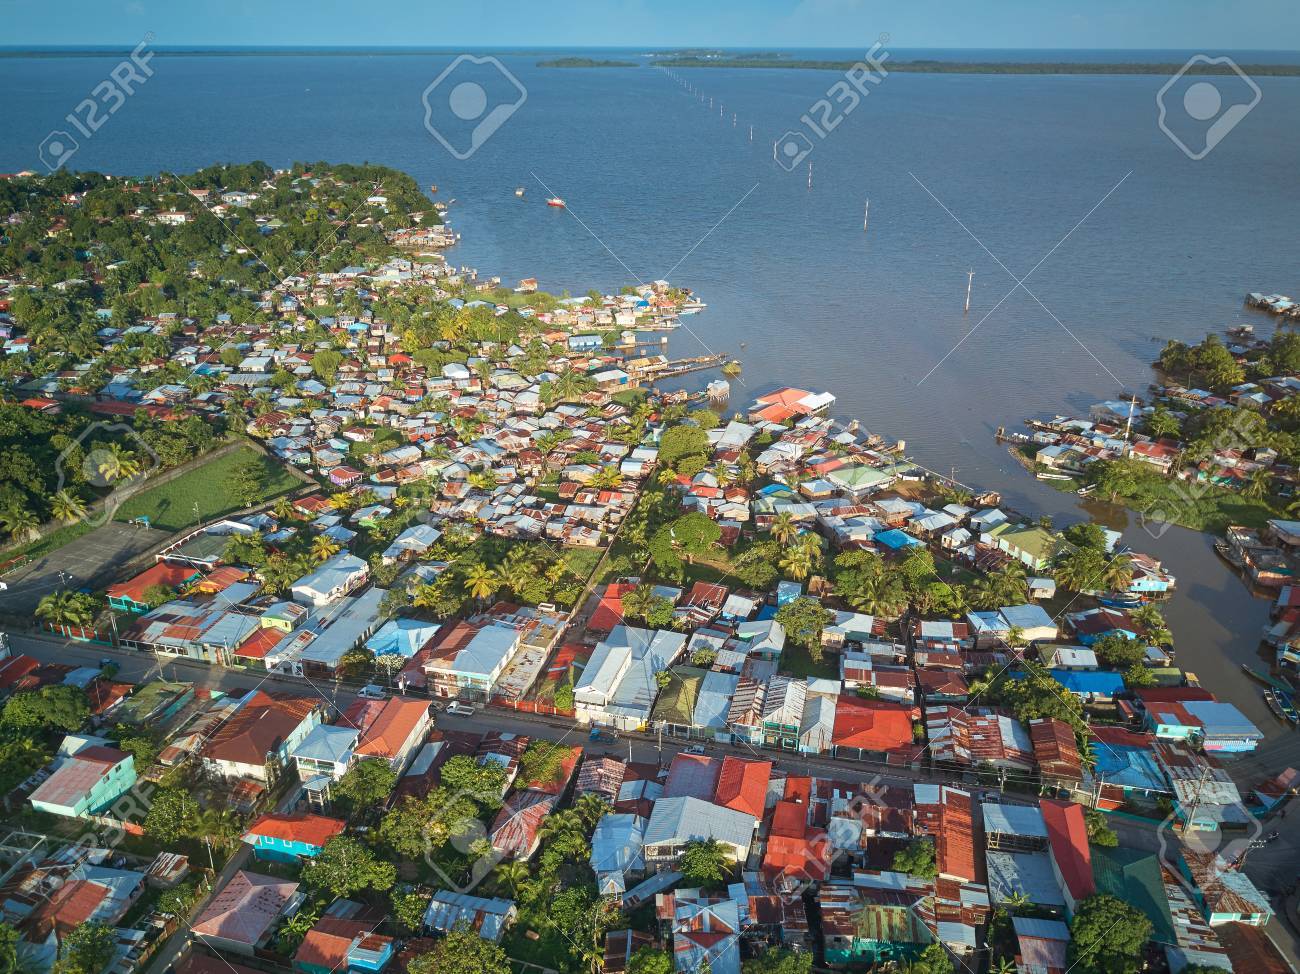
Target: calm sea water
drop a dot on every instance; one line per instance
(658, 184)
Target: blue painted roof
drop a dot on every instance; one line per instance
(1089, 681)
(895, 539)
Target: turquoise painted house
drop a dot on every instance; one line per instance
(88, 777)
(291, 837)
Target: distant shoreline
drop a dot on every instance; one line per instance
(989, 67)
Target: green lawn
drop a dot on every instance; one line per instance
(797, 661)
(203, 493)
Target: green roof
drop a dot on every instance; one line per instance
(142, 704)
(676, 704)
(1134, 877)
(859, 475)
(1029, 538)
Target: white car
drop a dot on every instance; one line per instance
(372, 692)
(460, 709)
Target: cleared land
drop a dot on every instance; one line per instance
(203, 493)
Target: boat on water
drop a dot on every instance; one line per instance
(433, 187)
(1282, 704)
(555, 201)
(1227, 554)
(519, 191)
(1121, 600)
(1272, 682)
(692, 308)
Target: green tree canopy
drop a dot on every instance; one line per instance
(86, 950)
(705, 863)
(803, 620)
(366, 783)
(49, 708)
(1107, 936)
(345, 866)
(462, 951)
(917, 858)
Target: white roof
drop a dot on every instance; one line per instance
(685, 819)
(488, 652)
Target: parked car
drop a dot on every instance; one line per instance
(372, 692)
(460, 709)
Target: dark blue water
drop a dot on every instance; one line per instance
(660, 185)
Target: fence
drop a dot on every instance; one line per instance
(79, 634)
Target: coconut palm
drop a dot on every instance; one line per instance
(341, 500)
(799, 560)
(323, 547)
(510, 874)
(67, 507)
(591, 808)
(1080, 569)
(65, 608)
(1117, 574)
(481, 582)
(566, 821)
(1258, 483)
(218, 826)
(119, 463)
(783, 528)
(20, 523)
(284, 509)
(881, 595)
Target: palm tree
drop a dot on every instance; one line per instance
(67, 507)
(1080, 569)
(1004, 964)
(798, 560)
(119, 463)
(591, 808)
(65, 608)
(1258, 483)
(566, 821)
(510, 874)
(783, 528)
(481, 582)
(284, 509)
(1118, 573)
(218, 826)
(20, 523)
(323, 547)
(341, 500)
(881, 595)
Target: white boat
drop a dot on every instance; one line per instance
(692, 308)
(519, 191)
(555, 201)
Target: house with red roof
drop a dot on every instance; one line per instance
(742, 785)
(88, 777)
(391, 730)
(291, 837)
(241, 917)
(132, 595)
(514, 830)
(1056, 751)
(868, 727)
(1067, 843)
(255, 741)
(609, 611)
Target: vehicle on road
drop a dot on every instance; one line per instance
(694, 749)
(460, 709)
(600, 735)
(372, 692)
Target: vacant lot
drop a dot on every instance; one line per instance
(203, 493)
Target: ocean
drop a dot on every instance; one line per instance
(1092, 236)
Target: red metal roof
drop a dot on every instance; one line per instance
(1067, 832)
(609, 612)
(871, 725)
(742, 785)
(307, 828)
(789, 819)
(161, 573)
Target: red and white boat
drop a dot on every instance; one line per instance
(555, 201)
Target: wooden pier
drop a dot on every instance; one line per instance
(684, 366)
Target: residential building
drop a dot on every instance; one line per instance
(242, 915)
(291, 837)
(88, 777)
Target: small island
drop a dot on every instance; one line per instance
(586, 62)
(929, 66)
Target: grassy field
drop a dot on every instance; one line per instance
(203, 493)
(797, 661)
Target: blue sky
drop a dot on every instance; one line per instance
(1209, 25)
